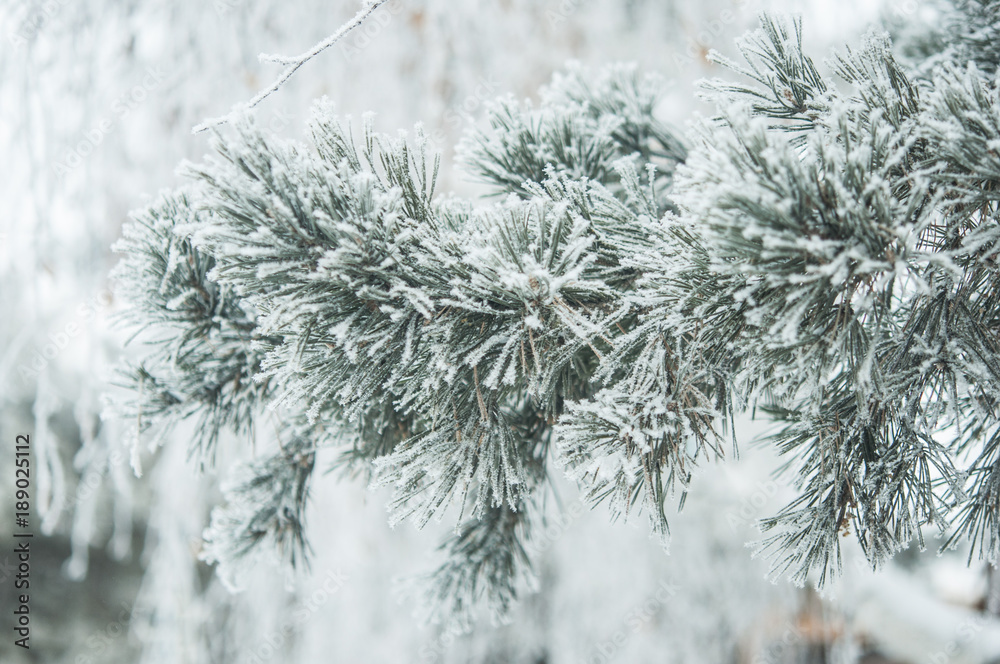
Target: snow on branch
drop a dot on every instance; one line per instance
(292, 65)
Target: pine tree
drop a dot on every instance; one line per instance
(822, 250)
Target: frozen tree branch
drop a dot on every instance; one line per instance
(826, 250)
(292, 65)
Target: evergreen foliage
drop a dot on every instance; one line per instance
(823, 249)
(202, 361)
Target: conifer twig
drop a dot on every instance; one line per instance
(292, 64)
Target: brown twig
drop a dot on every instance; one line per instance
(293, 64)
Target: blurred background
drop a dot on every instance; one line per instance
(97, 101)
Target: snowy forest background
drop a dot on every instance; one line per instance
(97, 99)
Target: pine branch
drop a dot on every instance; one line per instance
(264, 512)
(621, 300)
(205, 346)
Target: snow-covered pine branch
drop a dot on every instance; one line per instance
(822, 249)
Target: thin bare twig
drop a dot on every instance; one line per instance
(292, 65)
